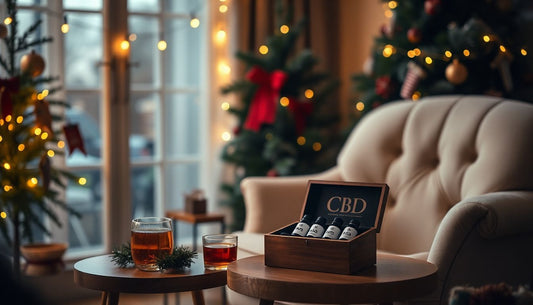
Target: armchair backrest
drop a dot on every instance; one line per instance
(435, 152)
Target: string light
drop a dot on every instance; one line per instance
(448, 54)
(3, 215)
(132, 37)
(317, 146)
(223, 68)
(20, 119)
(124, 45)
(32, 182)
(416, 95)
(50, 153)
(226, 136)
(503, 49)
(523, 52)
(284, 29)
(8, 188)
(360, 106)
(225, 106)
(486, 38)
(388, 50)
(309, 93)
(428, 60)
(7, 166)
(195, 22)
(284, 101)
(301, 140)
(65, 27)
(82, 181)
(162, 45)
(393, 4)
(223, 8)
(21, 147)
(220, 36)
(263, 49)
(466, 52)
(8, 20)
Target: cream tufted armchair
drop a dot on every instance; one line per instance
(460, 172)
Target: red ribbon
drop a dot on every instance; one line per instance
(74, 138)
(7, 88)
(264, 103)
(300, 112)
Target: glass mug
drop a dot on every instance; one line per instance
(151, 237)
(219, 250)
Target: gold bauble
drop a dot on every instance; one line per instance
(456, 72)
(32, 64)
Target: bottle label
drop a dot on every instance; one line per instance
(316, 231)
(301, 229)
(332, 232)
(348, 233)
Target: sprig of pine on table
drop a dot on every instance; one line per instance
(181, 257)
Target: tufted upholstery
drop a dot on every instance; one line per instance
(460, 172)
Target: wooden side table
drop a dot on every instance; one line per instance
(100, 273)
(195, 219)
(393, 278)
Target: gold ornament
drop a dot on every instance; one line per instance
(3, 30)
(456, 72)
(32, 64)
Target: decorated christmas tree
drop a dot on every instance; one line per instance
(29, 137)
(285, 123)
(433, 47)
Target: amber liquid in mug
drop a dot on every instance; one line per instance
(147, 246)
(219, 255)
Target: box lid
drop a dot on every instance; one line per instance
(347, 200)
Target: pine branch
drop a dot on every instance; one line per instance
(182, 257)
(122, 256)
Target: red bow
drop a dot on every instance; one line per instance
(264, 103)
(7, 88)
(300, 112)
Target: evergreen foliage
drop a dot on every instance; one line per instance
(301, 137)
(29, 137)
(434, 47)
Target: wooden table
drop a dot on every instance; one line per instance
(195, 219)
(100, 273)
(393, 278)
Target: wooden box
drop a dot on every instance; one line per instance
(195, 202)
(332, 199)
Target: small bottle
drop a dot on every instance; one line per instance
(317, 229)
(334, 229)
(303, 226)
(351, 230)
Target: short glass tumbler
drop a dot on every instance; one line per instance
(219, 250)
(151, 237)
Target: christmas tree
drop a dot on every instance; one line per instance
(285, 125)
(29, 137)
(434, 47)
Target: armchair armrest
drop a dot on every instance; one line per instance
(274, 202)
(485, 238)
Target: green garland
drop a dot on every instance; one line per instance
(182, 257)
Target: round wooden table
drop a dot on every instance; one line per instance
(393, 278)
(100, 273)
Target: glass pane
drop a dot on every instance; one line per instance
(179, 179)
(183, 68)
(143, 5)
(184, 6)
(83, 51)
(144, 53)
(182, 124)
(142, 116)
(85, 231)
(142, 191)
(82, 4)
(31, 2)
(85, 112)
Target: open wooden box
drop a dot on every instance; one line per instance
(332, 199)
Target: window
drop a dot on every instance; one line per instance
(167, 96)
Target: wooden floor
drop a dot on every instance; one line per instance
(212, 296)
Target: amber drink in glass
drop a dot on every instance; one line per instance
(151, 237)
(219, 250)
